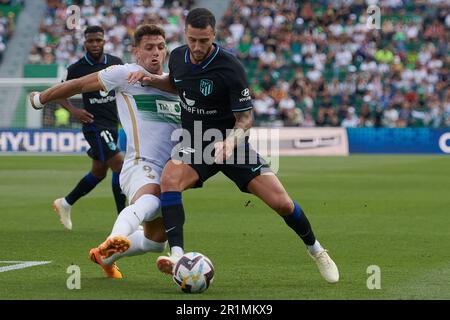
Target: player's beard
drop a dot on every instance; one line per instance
(97, 55)
(200, 56)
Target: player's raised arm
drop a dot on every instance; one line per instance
(161, 82)
(65, 90)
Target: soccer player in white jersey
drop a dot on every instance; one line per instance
(148, 116)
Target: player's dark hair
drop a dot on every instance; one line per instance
(94, 29)
(148, 30)
(200, 18)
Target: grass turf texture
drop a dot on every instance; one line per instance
(390, 211)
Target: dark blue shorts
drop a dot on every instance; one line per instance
(243, 166)
(103, 143)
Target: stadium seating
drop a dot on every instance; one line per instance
(322, 51)
(9, 11)
(55, 44)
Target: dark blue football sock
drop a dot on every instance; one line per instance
(83, 188)
(298, 222)
(119, 197)
(173, 217)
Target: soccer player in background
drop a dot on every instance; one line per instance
(214, 91)
(100, 126)
(148, 116)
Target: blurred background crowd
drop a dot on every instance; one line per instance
(7, 23)
(317, 64)
(310, 63)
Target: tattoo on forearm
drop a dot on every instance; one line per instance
(242, 127)
(244, 120)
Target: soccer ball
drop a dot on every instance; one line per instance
(193, 273)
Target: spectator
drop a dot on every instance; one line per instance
(351, 119)
(62, 118)
(267, 59)
(384, 55)
(323, 50)
(119, 18)
(308, 122)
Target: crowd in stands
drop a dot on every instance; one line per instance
(310, 63)
(7, 23)
(56, 43)
(318, 63)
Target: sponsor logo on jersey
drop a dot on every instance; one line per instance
(106, 99)
(246, 95)
(168, 107)
(189, 102)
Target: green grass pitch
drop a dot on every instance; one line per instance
(389, 211)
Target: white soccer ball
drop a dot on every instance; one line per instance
(193, 273)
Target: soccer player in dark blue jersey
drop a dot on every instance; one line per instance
(217, 106)
(100, 127)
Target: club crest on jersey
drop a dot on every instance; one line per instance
(206, 87)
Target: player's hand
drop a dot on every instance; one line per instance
(32, 100)
(151, 79)
(83, 116)
(136, 76)
(145, 78)
(223, 150)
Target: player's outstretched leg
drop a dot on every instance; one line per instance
(111, 270)
(63, 206)
(116, 244)
(176, 178)
(173, 215)
(136, 244)
(63, 209)
(269, 189)
(143, 209)
(140, 244)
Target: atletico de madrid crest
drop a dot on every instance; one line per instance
(206, 87)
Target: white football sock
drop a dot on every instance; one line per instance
(139, 245)
(65, 204)
(315, 248)
(129, 219)
(177, 251)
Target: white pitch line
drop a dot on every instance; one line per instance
(21, 265)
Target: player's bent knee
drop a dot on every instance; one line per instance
(99, 176)
(170, 182)
(157, 236)
(284, 207)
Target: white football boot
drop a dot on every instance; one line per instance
(326, 265)
(166, 264)
(63, 212)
